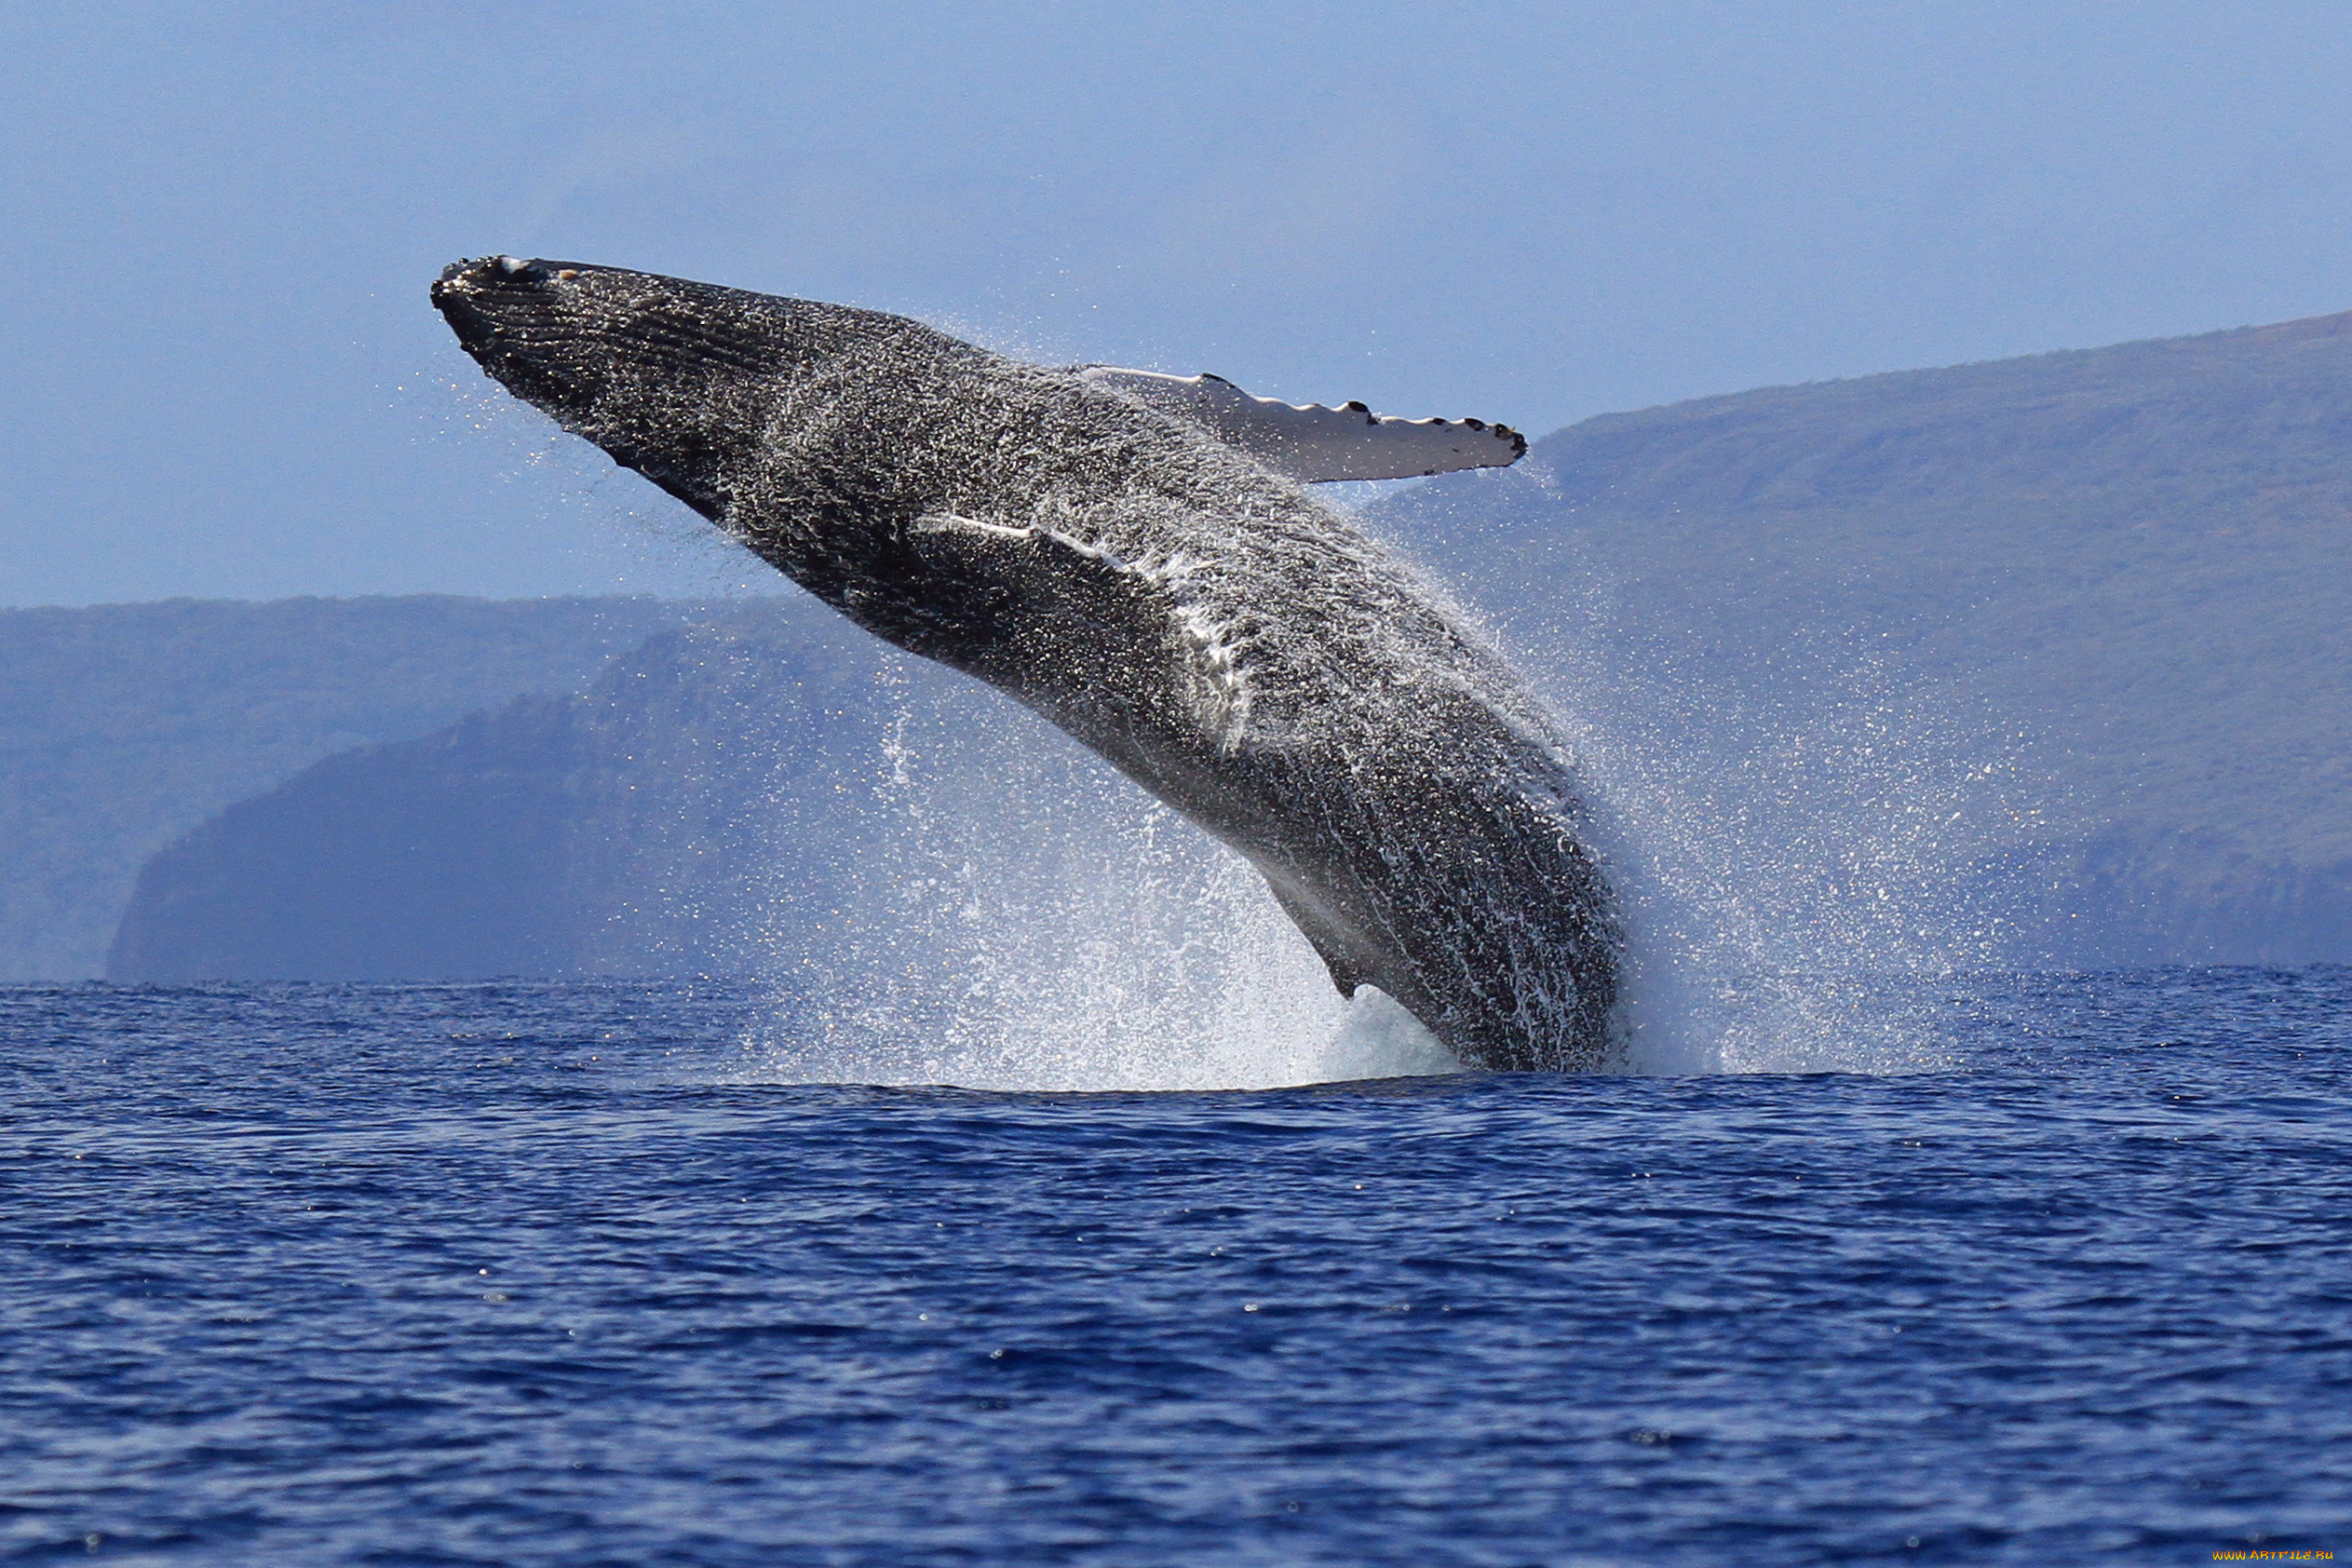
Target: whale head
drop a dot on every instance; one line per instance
(670, 377)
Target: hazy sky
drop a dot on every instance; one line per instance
(222, 377)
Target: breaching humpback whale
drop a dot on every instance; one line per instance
(1133, 557)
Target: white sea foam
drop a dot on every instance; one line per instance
(1015, 916)
(1784, 878)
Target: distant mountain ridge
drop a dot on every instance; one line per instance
(646, 825)
(767, 790)
(124, 725)
(2118, 574)
(2045, 661)
(2264, 409)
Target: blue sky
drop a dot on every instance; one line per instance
(222, 377)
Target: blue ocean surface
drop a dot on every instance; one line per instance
(573, 1274)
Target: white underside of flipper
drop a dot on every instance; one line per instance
(1310, 442)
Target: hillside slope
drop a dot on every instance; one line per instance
(124, 725)
(626, 829)
(2114, 583)
(766, 790)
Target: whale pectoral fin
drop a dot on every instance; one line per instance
(1039, 567)
(1321, 937)
(1072, 602)
(1055, 615)
(1310, 442)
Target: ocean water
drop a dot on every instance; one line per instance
(577, 1274)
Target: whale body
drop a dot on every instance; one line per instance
(1173, 601)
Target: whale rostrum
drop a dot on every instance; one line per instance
(1137, 563)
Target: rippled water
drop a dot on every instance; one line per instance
(556, 1274)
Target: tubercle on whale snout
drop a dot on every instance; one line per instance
(481, 286)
